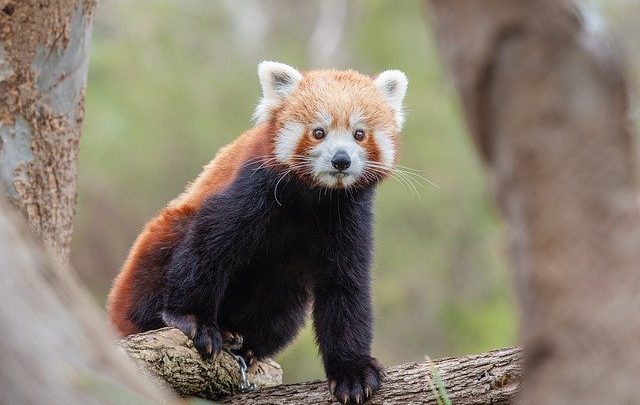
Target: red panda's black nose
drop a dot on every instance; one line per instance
(341, 161)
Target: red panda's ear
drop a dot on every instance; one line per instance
(393, 85)
(278, 81)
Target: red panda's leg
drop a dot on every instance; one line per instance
(198, 276)
(343, 314)
(200, 269)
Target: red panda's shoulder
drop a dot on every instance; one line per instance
(222, 170)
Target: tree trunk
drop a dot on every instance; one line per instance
(44, 48)
(55, 347)
(545, 99)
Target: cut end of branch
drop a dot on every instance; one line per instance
(169, 355)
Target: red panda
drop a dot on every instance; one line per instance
(281, 218)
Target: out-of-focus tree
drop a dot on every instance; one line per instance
(547, 104)
(325, 47)
(55, 345)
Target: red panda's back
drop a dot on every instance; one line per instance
(136, 292)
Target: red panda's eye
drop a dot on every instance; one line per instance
(318, 133)
(358, 134)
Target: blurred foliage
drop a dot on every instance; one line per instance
(170, 82)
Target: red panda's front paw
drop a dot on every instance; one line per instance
(187, 323)
(355, 383)
(207, 340)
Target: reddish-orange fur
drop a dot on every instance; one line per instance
(145, 255)
(150, 250)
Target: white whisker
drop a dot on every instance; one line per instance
(411, 175)
(275, 190)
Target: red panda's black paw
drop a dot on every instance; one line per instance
(186, 323)
(231, 340)
(207, 341)
(355, 383)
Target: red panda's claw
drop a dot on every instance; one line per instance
(355, 383)
(231, 340)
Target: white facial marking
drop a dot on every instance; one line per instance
(338, 141)
(356, 120)
(386, 146)
(393, 85)
(287, 140)
(278, 81)
(324, 120)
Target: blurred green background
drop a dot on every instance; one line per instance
(170, 82)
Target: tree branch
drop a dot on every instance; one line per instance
(488, 378)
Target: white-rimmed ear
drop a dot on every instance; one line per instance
(393, 85)
(278, 81)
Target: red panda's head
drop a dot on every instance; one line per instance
(335, 128)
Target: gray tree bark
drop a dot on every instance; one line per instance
(169, 355)
(546, 101)
(44, 48)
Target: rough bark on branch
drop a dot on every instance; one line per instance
(168, 354)
(488, 378)
(546, 101)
